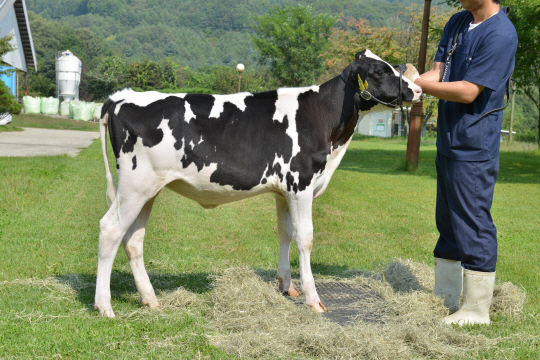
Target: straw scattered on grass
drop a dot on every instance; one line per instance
(247, 318)
(256, 321)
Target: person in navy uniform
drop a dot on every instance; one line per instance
(468, 153)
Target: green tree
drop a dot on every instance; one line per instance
(171, 49)
(291, 40)
(525, 15)
(8, 103)
(110, 75)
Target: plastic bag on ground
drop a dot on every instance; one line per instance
(64, 108)
(49, 105)
(31, 105)
(97, 111)
(81, 110)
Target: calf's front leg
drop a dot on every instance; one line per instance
(300, 211)
(285, 231)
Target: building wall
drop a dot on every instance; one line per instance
(8, 25)
(376, 124)
(10, 79)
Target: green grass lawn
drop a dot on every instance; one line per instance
(49, 122)
(371, 212)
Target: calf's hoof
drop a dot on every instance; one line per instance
(318, 307)
(108, 312)
(152, 304)
(292, 292)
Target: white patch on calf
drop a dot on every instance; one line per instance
(188, 113)
(235, 99)
(287, 105)
(117, 108)
(141, 99)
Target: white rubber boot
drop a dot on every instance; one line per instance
(477, 294)
(448, 282)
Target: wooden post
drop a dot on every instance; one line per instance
(512, 117)
(415, 125)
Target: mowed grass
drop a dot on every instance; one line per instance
(371, 213)
(50, 122)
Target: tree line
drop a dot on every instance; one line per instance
(295, 46)
(191, 33)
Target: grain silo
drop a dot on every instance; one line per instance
(68, 75)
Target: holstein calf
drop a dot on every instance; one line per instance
(216, 149)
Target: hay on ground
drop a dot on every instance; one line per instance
(256, 321)
(508, 300)
(179, 298)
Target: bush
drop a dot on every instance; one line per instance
(8, 103)
(527, 136)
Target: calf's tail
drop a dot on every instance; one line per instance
(111, 189)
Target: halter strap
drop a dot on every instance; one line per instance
(366, 95)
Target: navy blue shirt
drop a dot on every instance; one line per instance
(484, 56)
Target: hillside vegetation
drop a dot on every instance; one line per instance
(192, 33)
(193, 46)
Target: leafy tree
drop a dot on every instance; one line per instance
(8, 103)
(170, 74)
(145, 74)
(358, 35)
(525, 15)
(171, 49)
(110, 75)
(291, 40)
(40, 85)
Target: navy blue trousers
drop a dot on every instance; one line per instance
(463, 212)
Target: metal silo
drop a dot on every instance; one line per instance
(68, 75)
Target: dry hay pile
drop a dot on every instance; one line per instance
(256, 321)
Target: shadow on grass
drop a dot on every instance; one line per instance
(515, 167)
(123, 284)
(398, 275)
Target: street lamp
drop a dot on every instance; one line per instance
(239, 68)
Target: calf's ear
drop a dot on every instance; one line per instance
(362, 70)
(359, 55)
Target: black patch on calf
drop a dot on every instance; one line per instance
(134, 163)
(243, 144)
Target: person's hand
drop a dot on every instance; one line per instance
(411, 73)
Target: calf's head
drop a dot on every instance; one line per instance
(381, 81)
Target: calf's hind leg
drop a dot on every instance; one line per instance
(285, 231)
(133, 245)
(112, 229)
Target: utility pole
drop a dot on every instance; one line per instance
(415, 126)
(512, 114)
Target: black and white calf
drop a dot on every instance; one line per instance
(216, 149)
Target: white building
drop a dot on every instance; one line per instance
(383, 124)
(14, 20)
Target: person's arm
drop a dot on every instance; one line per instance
(456, 91)
(436, 72)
